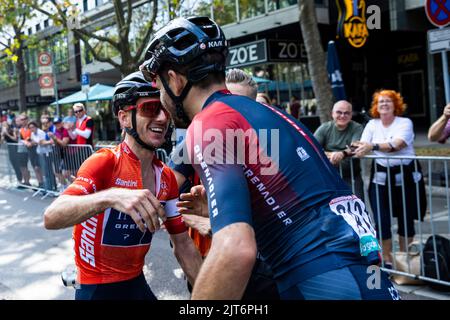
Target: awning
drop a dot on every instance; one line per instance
(96, 92)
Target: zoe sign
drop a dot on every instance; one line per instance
(246, 54)
(286, 50)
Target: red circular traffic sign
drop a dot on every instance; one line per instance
(438, 12)
(46, 81)
(44, 59)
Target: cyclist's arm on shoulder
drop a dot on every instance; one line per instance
(83, 198)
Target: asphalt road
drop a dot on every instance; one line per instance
(32, 258)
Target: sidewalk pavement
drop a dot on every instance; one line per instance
(421, 292)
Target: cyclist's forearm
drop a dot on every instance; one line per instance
(187, 255)
(67, 211)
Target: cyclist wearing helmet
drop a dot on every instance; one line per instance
(284, 198)
(117, 200)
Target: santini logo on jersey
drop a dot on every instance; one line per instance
(126, 183)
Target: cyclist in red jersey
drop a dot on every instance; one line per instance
(117, 200)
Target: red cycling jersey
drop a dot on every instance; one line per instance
(109, 247)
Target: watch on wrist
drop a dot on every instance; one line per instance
(375, 147)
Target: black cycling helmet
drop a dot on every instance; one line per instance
(184, 41)
(128, 90)
(126, 93)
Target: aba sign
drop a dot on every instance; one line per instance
(438, 12)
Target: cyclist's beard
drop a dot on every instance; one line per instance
(170, 106)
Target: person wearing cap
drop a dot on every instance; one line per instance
(283, 199)
(60, 138)
(120, 198)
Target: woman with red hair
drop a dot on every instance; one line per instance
(389, 134)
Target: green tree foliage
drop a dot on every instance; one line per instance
(105, 42)
(224, 10)
(13, 16)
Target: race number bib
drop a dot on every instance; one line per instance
(354, 212)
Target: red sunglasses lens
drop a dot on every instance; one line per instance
(149, 109)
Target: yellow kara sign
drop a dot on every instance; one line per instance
(352, 21)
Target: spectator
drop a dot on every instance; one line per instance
(389, 134)
(84, 127)
(44, 153)
(84, 131)
(440, 129)
(60, 139)
(294, 107)
(22, 153)
(47, 125)
(262, 98)
(70, 162)
(70, 117)
(25, 136)
(10, 135)
(335, 137)
(241, 83)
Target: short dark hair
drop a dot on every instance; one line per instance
(209, 58)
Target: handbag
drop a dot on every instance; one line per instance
(402, 259)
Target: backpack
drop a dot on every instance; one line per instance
(443, 260)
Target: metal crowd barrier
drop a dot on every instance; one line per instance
(47, 173)
(408, 266)
(58, 167)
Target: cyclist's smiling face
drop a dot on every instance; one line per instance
(151, 128)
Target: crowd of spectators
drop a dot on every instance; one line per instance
(52, 146)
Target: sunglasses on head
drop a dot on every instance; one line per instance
(148, 109)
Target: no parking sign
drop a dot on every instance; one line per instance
(438, 12)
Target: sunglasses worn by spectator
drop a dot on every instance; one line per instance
(148, 109)
(340, 113)
(76, 111)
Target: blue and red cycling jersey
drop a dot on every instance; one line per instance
(262, 167)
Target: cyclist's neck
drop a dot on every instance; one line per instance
(144, 155)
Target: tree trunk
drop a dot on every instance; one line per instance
(316, 59)
(21, 80)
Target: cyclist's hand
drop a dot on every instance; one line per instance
(201, 224)
(194, 202)
(141, 205)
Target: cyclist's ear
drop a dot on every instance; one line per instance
(124, 118)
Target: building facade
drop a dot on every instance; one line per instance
(265, 39)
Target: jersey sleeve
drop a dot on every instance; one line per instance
(93, 175)
(174, 222)
(225, 183)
